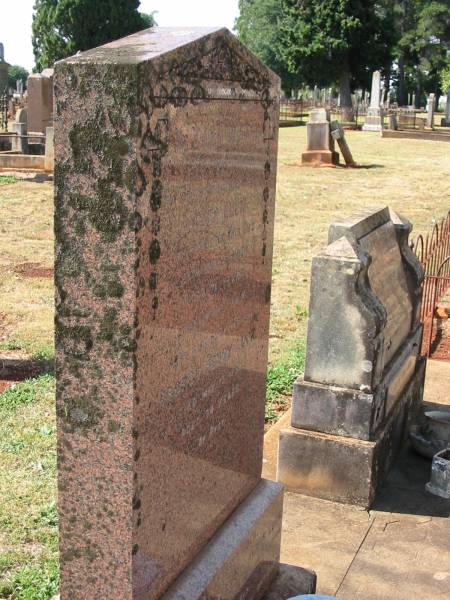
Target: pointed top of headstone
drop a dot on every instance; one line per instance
(156, 43)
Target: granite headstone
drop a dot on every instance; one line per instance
(166, 148)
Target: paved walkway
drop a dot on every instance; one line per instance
(399, 550)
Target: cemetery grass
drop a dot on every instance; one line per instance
(26, 267)
(28, 517)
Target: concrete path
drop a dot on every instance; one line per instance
(399, 550)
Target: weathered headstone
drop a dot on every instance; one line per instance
(337, 133)
(445, 122)
(19, 142)
(49, 161)
(40, 101)
(166, 148)
(363, 375)
(430, 111)
(320, 144)
(374, 117)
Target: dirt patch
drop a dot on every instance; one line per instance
(5, 384)
(30, 269)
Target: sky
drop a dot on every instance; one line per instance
(16, 17)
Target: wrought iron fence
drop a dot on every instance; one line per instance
(433, 251)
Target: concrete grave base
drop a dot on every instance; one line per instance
(411, 134)
(373, 124)
(347, 469)
(22, 161)
(242, 558)
(322, 158)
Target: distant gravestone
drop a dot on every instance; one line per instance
(445, 122)
(373, 120)
(430, 111)
(19, 143)
(320, 144)
(166, 149)
(40, 101)
(363, 376)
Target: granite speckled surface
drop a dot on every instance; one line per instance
(165, 146)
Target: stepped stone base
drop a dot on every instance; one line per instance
(323, 158)
(346, 469)
(242, 559)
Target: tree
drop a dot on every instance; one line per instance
(423, 46)
(258, 27)
(336, 40)
(445, 78)
(63, 27)
(16, 72)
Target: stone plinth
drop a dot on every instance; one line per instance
(166, 147)
(362, 370)
(343, 469)
(320, 144)
(40, 101)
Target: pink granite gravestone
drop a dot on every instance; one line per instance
(40, 101)
(165, 147)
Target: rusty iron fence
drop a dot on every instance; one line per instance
(433, 251)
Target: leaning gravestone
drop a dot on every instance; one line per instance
(166, 147)
(363, 374)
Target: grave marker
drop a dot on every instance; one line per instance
(364, 377)
(166, 148)
(373, 121)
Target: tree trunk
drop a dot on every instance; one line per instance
(345, 94)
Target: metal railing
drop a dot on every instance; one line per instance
(433, 251)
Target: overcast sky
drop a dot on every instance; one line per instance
(16, 16)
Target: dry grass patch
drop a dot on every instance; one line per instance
(413, 177)
(26, 238)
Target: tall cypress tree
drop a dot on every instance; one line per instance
(63, 27)
(336, 40)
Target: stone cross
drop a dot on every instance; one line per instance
(165, 150)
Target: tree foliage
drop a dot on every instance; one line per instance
(319, 41)
(63, 27)
(16, 72)
(258, 28)
(423, 46)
